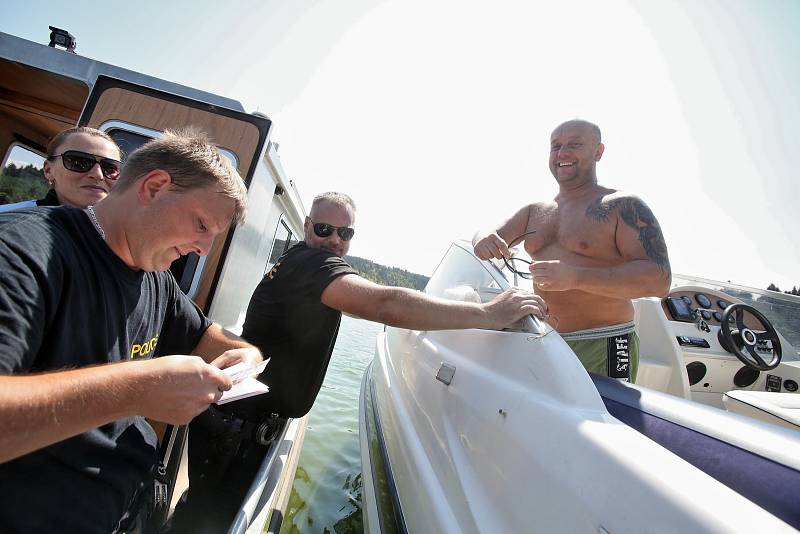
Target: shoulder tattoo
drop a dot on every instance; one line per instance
(635, 213)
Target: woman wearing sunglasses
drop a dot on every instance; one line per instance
(82, 166)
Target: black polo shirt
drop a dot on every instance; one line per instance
(289, 323)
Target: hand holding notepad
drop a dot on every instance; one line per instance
(244, 382)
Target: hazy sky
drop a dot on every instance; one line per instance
(435, 115)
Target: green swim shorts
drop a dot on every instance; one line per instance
(615, 355)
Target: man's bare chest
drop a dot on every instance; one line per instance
(570, 229)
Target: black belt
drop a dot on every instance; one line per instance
(260, 430)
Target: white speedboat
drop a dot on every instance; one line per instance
(504, 431)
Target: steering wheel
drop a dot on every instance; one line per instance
(742, 342)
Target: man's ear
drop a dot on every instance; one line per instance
(152, 184)
(599, 153)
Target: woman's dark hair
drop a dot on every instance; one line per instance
(60, 137)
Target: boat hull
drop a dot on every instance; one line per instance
(506, 447)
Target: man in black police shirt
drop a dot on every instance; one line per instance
(83, 302)
(294, 317)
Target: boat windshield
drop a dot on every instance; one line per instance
(781, 309)
(462, 276)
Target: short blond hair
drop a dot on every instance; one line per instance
(334, 198)
(192, 161)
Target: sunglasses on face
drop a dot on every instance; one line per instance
(77, 161)
(324, 230)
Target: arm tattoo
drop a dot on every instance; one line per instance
(638, 216)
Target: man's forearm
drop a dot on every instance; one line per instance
(633, 279)
(38, 410)
(41, 409)
(406, 308)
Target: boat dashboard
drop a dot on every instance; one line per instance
(690, 306)
(726, 337)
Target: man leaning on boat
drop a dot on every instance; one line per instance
(594, 249)
(83, 291)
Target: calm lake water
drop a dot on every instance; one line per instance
(326, 496)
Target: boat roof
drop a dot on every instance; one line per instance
(86, 70)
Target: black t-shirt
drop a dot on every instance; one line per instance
(288, 322)
(67, 301)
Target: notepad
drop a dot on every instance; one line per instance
(242, 370)
(244, 382)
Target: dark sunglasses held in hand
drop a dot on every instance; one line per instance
(77, 161)
(324, 230)
(519, 266)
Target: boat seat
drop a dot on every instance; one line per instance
(739, 452)
(777, 408)
(661, 365)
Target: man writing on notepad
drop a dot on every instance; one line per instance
(83, 303)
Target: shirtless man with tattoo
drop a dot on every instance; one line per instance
(594, 249)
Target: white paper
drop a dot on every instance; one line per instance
(241, 390)
(242, 370)
(244, 382)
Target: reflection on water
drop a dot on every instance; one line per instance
(326, 496)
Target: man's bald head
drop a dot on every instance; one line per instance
(580, 123)
(575, 149)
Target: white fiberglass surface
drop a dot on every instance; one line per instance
(506, 447)
(409, 465)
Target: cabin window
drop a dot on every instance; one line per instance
(128, 141)
(284, 240)
(129, 137)
(22, 176)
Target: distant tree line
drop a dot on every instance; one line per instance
(793, 291)
(387, 276)
(22, 183)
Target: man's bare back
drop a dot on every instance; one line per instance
(594, 248)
